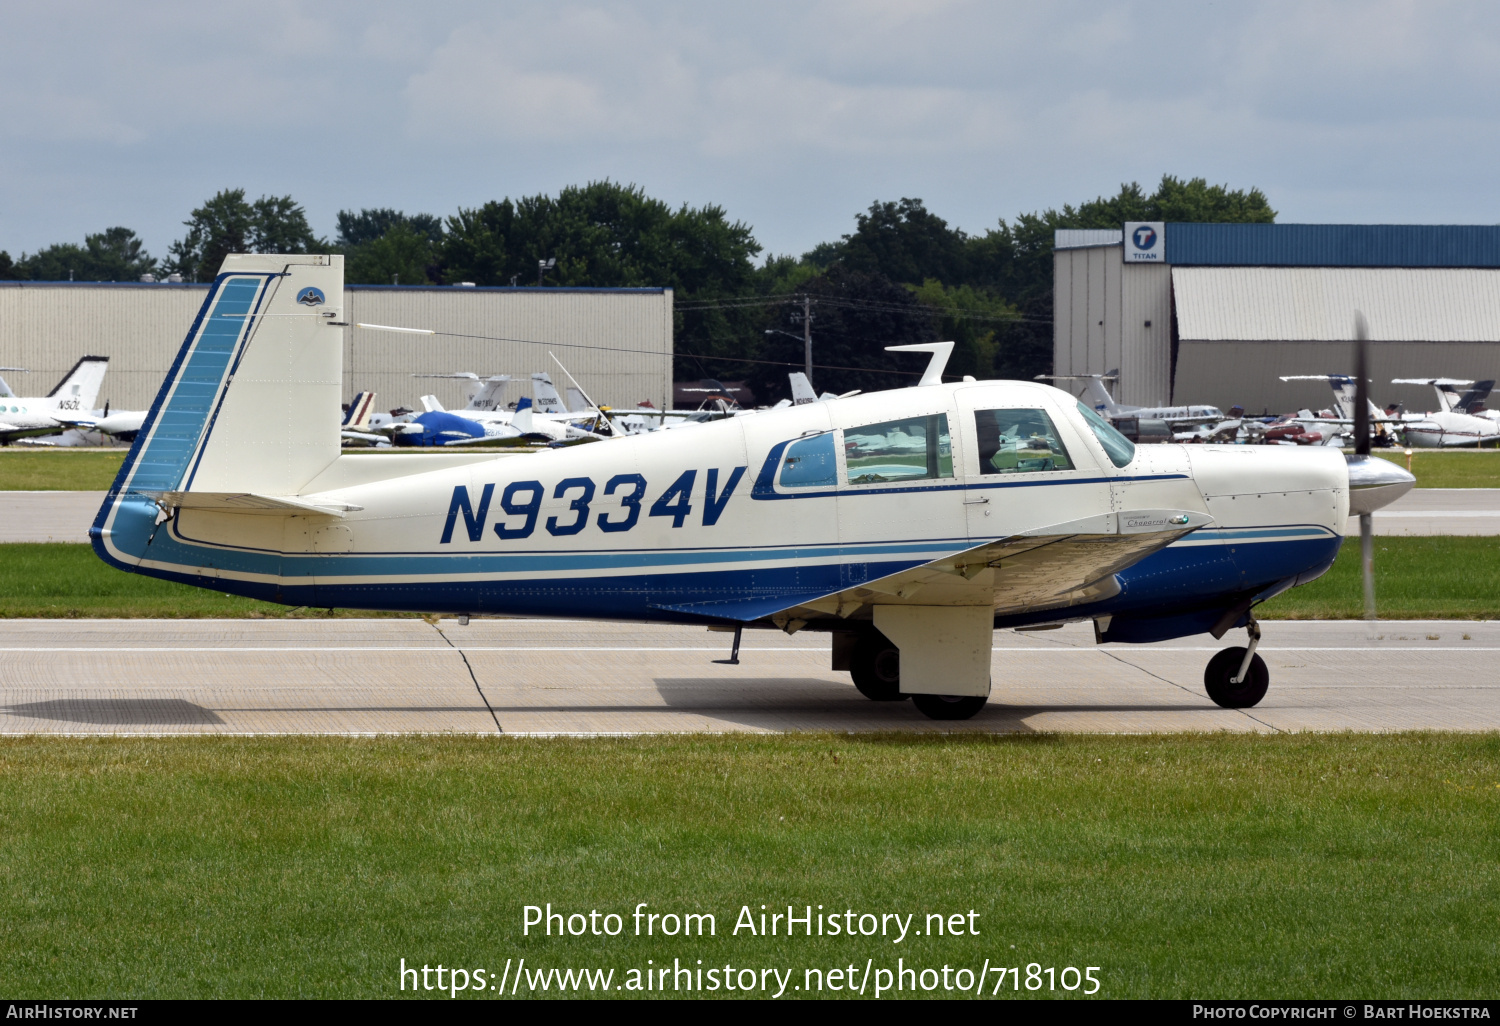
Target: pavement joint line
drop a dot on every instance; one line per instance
(482, 698)
(1164, 680)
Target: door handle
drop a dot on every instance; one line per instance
(975, 502)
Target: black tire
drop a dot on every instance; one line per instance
(948, 707)
(875, 666)
(1236, 696)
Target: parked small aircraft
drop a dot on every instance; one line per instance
(908, 524)
(75, 394)
(1451, 426)
(1097, 395)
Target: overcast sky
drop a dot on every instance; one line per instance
(793, 116)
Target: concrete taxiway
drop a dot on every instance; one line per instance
(346, 676)
(66, 516)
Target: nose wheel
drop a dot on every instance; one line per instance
(1237, 678)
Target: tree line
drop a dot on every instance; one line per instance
(902, 275)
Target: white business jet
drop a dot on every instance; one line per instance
(907, 524)
(1451, 426)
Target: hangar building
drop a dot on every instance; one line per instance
(616, 342)
(1215, 313)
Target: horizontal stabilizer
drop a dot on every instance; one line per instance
(249, 502)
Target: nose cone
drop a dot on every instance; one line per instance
(1374, 482)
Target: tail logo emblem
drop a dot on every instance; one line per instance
(310, 297)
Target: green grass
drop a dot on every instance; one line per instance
(64, 580)
(1415, 578)
(1334, 866)
(1437, 469)
(66, 470)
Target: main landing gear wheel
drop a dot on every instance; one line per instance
(875, 666)
(948, 707)
(1218, 678)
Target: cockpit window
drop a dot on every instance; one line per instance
(899, 450)
(1117, 447)
(1020, 441)
(810, 461)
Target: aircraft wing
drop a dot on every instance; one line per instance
(1049, 568)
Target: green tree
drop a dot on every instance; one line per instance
(9, 271)
(607, 235)
(371, 224)
(855, 316)
(228, 224)
(115, 254)
(385, 247)
(906, 243)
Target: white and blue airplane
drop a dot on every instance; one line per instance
(909, 524)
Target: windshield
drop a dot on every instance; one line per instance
(1117, 447)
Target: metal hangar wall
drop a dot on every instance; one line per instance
(1215, 313)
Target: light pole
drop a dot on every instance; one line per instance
(543, 266)
(806, 318)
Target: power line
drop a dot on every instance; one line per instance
(650, 352)
(918, 309)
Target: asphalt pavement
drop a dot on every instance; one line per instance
(375, 676)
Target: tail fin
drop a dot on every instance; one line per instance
(249, 408)
(358, 416)
(1097, 395)
(547, 399)
(1474, 398)
(491, 394)
(522, 419)
(802, 390)
(431, 405)
(79, 388)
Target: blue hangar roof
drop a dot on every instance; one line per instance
(1332, 245)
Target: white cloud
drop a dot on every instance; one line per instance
(792, 115)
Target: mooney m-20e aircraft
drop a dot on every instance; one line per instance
(910, 524)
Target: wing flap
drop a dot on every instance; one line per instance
(1050, 568)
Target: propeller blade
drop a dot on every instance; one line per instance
(1362, 448)
(1361, 385)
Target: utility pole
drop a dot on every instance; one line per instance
(807, 338)
(806, 317)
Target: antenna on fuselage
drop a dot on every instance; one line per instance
(940, 351)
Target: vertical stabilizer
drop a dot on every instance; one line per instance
(79, 388)
(802, 390)
(1473, 400)
(357, 417)
(252, 402)
(522, 419)
(491, 394)
(1097, 396)
(547, 399)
